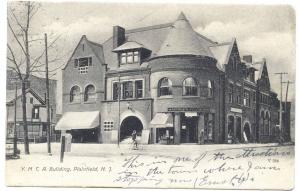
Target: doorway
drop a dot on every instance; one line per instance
(128, 125)
(189, 130)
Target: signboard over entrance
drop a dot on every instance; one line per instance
(236, 110)
(189, 109)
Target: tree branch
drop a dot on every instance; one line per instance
(13, 60)
(15, 36)
(16, 19)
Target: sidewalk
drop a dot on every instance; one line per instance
(87, 149)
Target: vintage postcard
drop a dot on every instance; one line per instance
(129, 95)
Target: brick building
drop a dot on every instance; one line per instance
(170, 84)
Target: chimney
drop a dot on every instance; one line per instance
(247, 58)
(118, 36)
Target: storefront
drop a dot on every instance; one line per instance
(163, 128)
(187, 126)
(84, 126)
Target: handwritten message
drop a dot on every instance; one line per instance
(242, 168)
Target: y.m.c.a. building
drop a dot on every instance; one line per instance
(170, 84)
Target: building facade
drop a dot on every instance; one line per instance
(35, 105)
(36, 115)
(170, 84)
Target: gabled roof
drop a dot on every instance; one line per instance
(129, 45)
(183, 40)
(259, 68)
(10, 95)
(221, 53)
(96, 48)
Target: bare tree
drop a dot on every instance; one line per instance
(19, 28)
(20, 43)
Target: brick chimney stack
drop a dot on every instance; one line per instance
(118, 36)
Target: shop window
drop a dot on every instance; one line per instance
(189, 87)
(90, 93)
(165, 87)
(108, 125)
(75, 94)
(208, 126)
(246, 98)
(35, 113)
(127, 90)
(139, 88)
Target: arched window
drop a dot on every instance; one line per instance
(75, 94)
(189, 87)
(90, 93)
(165, 87)
(210, 89)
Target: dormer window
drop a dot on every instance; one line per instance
(129, 57)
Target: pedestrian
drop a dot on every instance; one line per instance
(133, 136)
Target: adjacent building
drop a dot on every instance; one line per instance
(35, 104)
(170, 84)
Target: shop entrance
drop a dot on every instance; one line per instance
(189, 130)
(128, 125)
(239, 129)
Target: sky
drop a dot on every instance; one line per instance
(263, 31)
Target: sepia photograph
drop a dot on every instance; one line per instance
(150, 95)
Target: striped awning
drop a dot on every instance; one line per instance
(78, 120)
(162, 120)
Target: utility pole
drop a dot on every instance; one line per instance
(47, 99)
(15, 122)
(287, 133)
(119, 122)
(280, 109)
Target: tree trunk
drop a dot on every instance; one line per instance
(26, 142)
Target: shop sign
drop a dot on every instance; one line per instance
(236, 110)
(188, 109)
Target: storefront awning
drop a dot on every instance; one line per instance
(162, 120)
(78, 120)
